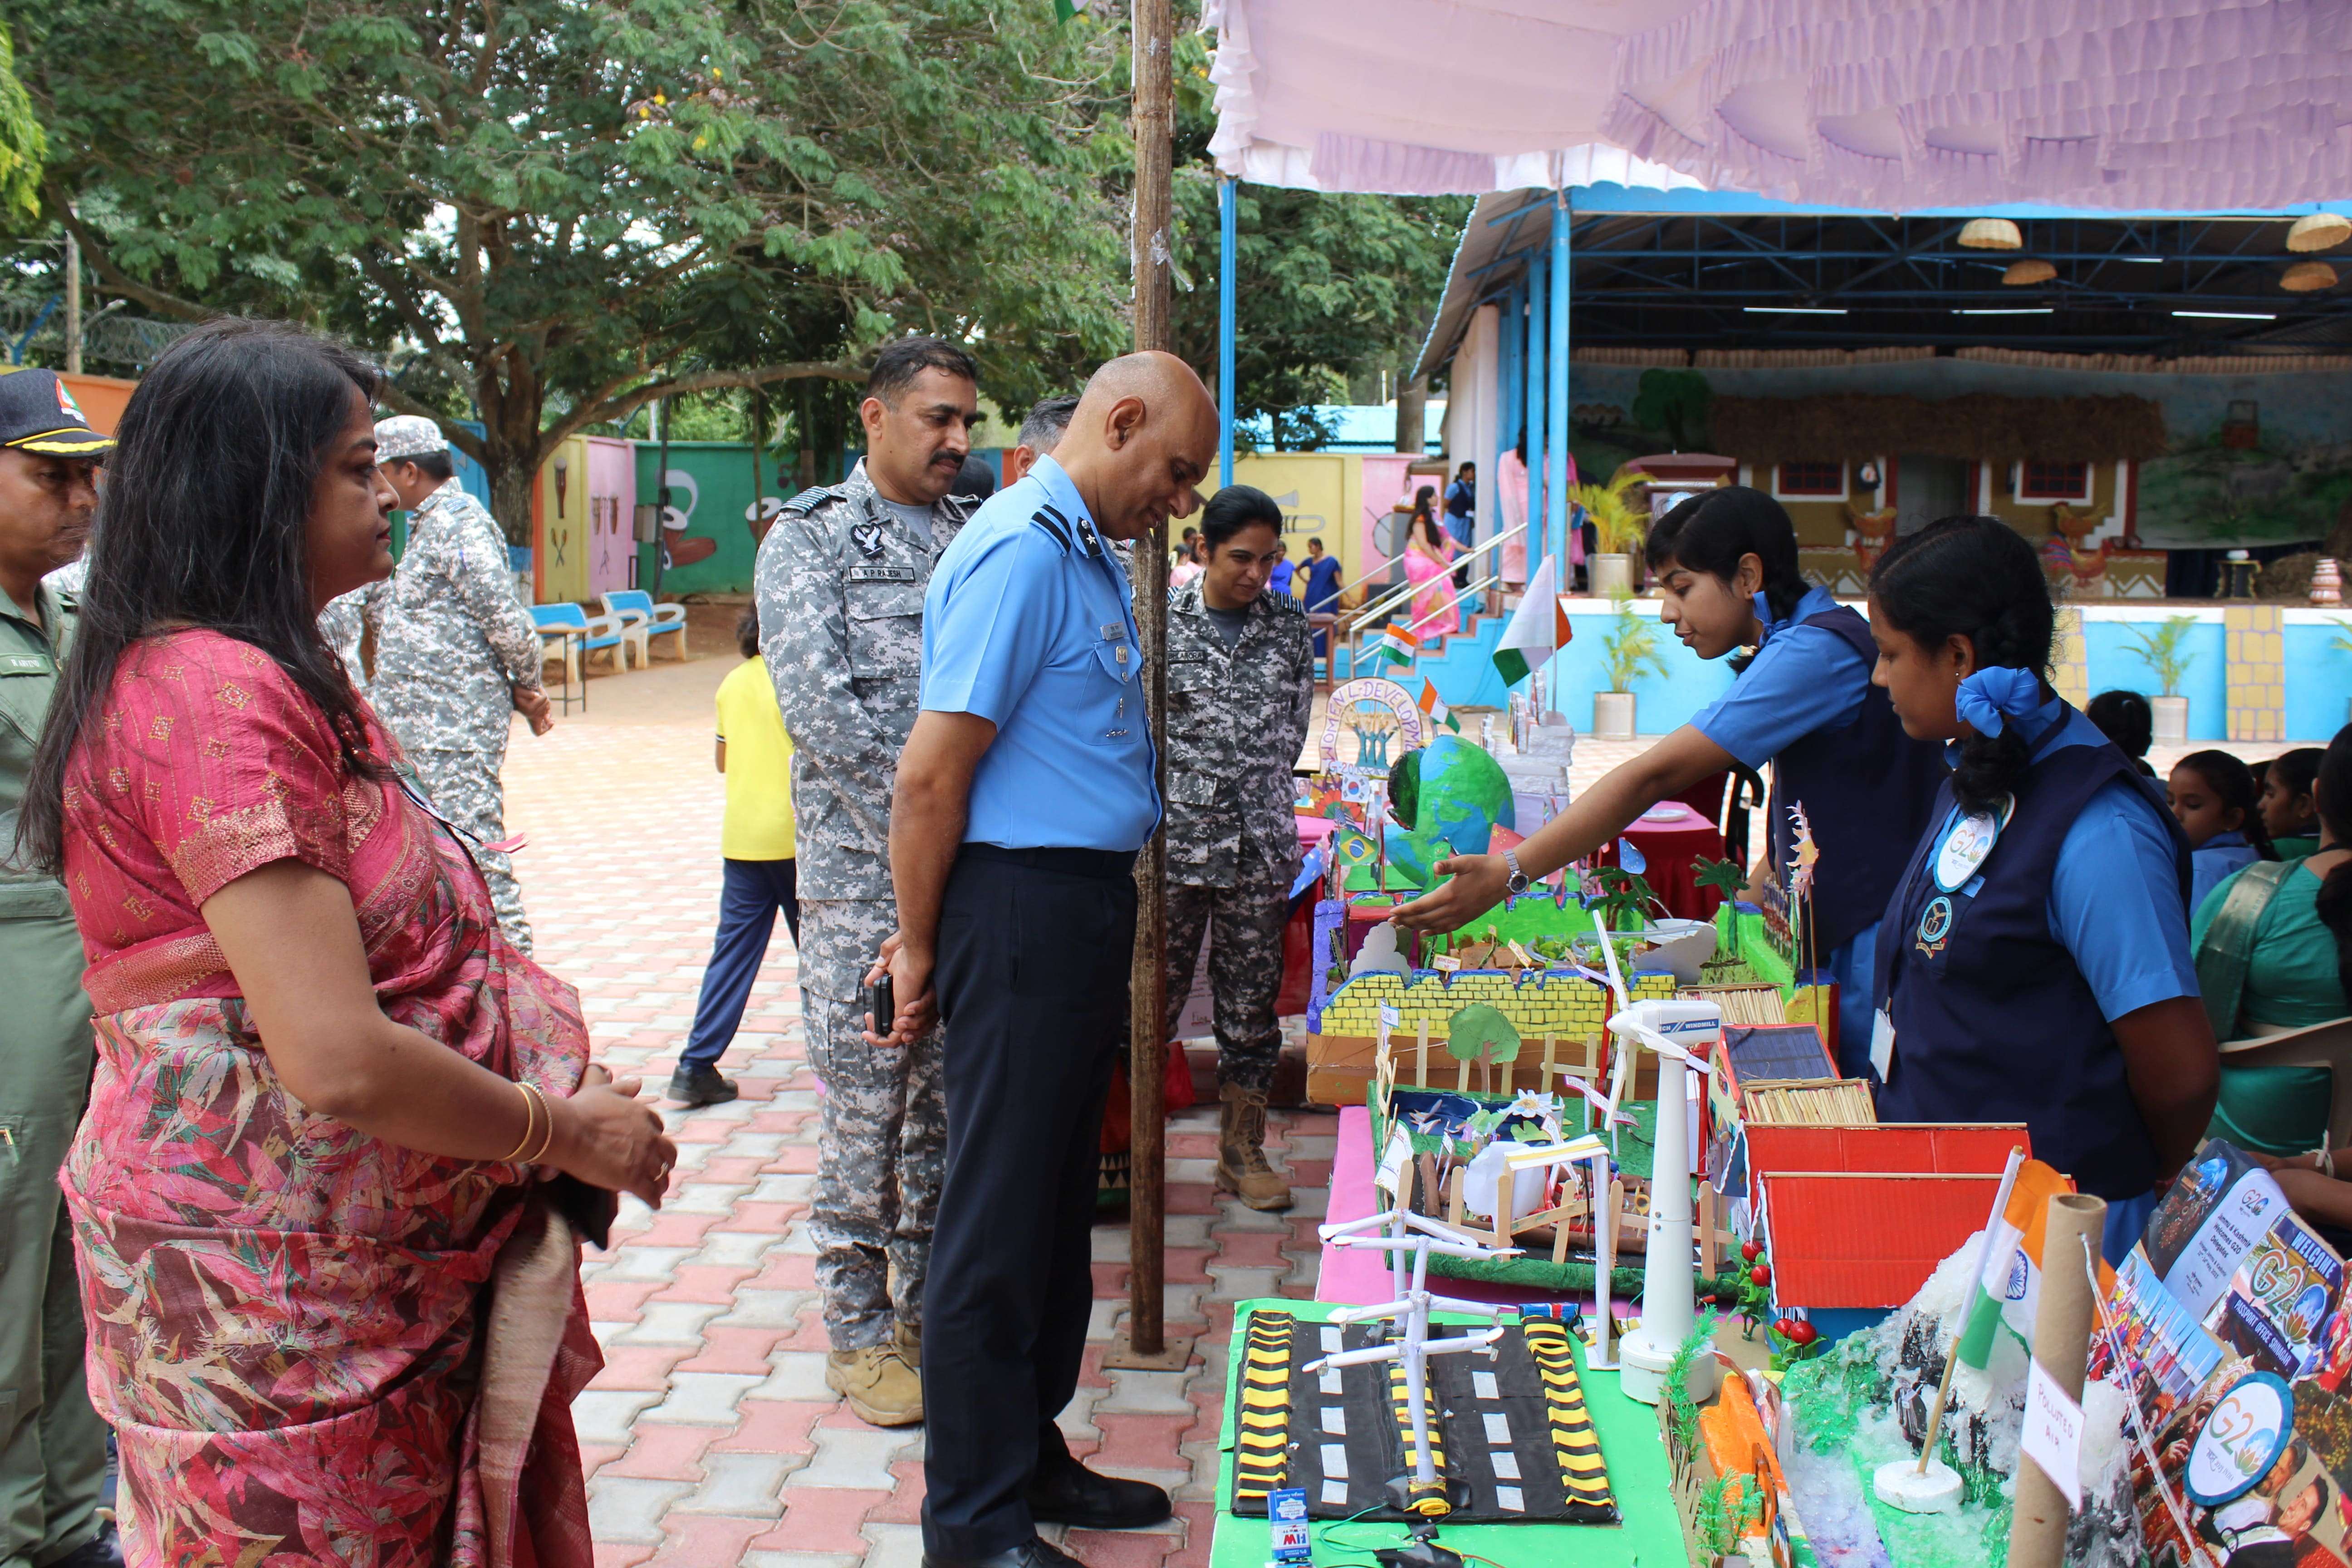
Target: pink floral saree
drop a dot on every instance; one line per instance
(314, 1346)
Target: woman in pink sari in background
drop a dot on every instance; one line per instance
(1429, 566)
(329, 1264)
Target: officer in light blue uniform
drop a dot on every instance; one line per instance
(1026, 786)
(2027, 959)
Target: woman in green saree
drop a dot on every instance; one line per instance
(2273, 945)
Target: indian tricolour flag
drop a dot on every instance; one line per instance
(1434, 706)
(1538, 627)
(1399, 646)
(2010, 1289)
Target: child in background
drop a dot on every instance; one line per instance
(2290, 813)
(2217, 804)
(756, 840)
(2126, 718)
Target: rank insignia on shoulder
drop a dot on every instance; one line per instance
(1054, 523)
(868, 537)
(808, 500)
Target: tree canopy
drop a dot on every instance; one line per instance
(564, 209)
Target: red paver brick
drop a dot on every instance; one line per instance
(619, 1300)
(730, 1349)
(820, 1518)
(784, 1271)
(708, 1540)
(676, 1227)
(1143, 1442)
(704, 1282)
(775, 1427)
(905, 1504)
(1200, 1528)
(612, 1555)
(659, 1451)
(639, 1366)
(764, 1218)
(1120, 1549)
(1243, 1249)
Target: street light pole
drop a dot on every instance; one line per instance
(1145, 1343)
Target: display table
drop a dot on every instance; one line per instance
(1672, 838)
(1651, 1532)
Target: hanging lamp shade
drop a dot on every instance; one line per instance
(2308, 277)
(1991, 234)
(2021, 273)
(2319, 231)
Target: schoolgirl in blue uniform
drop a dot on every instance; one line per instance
(1726, 562)
(2034, 964)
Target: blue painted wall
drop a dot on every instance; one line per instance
(2319, 681)
(2110, 652)
(1663, 703)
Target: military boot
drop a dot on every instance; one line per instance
(910, 1344)
(1241, 1151)
(879, 1385)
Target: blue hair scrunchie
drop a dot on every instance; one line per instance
(1984, 696)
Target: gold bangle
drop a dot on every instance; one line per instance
(546, 1138)
(530, 1125)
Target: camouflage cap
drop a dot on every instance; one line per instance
(408, 436)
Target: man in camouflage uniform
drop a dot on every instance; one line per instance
(455, 652)
(840, 585)
(1240, 682)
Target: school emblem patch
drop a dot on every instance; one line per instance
(1935, 926)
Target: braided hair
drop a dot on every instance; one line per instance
(2332, 793)
(1973, 577)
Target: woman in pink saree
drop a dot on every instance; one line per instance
(343, 1137)
(1429, 566)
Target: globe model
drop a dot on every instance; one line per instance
(1449, 797)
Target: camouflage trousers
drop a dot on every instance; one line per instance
(464, 787)
(881, 1134)
(1245, 923)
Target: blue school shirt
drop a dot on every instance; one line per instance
(2211, 862)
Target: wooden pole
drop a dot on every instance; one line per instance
(1155, 114)
(73, 305)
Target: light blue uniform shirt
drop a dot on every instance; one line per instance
(2115, 893)
(1029, 623)
(1802, 678)
(2211, 862)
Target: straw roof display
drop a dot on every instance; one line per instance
(1977, 425)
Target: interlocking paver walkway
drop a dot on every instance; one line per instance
(710, 1437)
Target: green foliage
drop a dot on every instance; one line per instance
(2164, 648)
(1620, 523)
(560, 210)
(1724, 876)
(23, 147)
(1329, 286)
(1624, 896)
(1480, 1033)
(2342, 641)
(1675, 401)
(1630, 650)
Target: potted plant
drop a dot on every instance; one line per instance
(1628, 652)
(2164, 648)
(2342, 641)
(1621, 521)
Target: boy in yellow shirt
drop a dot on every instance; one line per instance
(756, 841)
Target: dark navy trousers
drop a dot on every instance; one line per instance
(749, 897)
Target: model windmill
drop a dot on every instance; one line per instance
(1672, 1029)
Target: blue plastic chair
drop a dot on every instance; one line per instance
(642, 620)
(579, 634)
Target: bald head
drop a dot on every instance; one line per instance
(1140, 442)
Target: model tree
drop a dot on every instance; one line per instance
(1483, 1034)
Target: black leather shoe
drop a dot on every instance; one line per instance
(701, 1086)
(104, 1551)
(1069, 1493)
(1033, 1553)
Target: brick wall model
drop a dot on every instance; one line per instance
(2254, 637)
(1568, 1005)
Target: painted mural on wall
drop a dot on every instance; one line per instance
(2250, 459)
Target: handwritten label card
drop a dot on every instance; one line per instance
(1394, 1159)
(2054, 1434)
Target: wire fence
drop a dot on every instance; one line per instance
(108, 338)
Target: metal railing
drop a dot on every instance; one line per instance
(1364, 619)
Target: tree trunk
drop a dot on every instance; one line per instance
(1413, 415)
(511, 476)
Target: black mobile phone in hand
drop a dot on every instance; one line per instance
(882, 1002)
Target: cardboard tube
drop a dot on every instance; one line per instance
(2062, 1343)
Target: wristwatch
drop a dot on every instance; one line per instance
(1519, 882)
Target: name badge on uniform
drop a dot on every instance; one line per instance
(881, 574)
(1967, 845)
(868, 537)
(1882, 1044)
(24, 664)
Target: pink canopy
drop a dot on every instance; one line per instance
(2188, 105)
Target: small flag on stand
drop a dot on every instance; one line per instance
(1351, 848)
(1063, 10)
(1538, 630)
(1434, 706)
(1399, 646)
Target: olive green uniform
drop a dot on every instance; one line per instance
(52, 1444)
